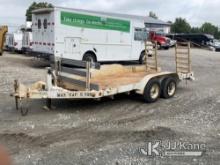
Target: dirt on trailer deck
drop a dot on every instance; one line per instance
(113, 132)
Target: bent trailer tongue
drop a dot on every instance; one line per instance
(72, 79)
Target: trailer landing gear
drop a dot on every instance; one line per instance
(22, 105)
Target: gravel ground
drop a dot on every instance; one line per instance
(112, 131)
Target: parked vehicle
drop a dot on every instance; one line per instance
(88, 35)
(162, 41)
(214, 45)
(3, 31)
(196, 39)
(27, 42)
(15, 41)
(6, 41)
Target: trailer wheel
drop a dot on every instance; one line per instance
(89, 57)
(152, 91)
(168, 88)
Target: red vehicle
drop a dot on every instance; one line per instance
(162, 41)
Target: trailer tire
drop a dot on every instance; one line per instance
(152, 91)
(169, 86)
(89, 57)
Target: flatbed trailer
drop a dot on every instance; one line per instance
(71, 79)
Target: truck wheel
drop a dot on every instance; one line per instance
(152, 91)
(142, 58)
(89, 57)
(168, 88)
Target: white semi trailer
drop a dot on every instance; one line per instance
(15, 41)
(88, 35)
(27, 41)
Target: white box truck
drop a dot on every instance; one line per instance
(88, 35)
(27, 39)
(15, 41)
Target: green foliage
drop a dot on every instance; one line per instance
(153, 15)
(180, 26)
(196, 30)
(35, 6)
(210, 29)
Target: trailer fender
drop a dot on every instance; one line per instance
(160, 76)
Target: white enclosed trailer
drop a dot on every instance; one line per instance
(88, 35)
(27, 41)
(15, 41)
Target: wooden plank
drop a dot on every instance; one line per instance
(182, 53)
(78, 82)
(153, 67)
(182, 67)
(182, 58)
(151, 63)
(183, 62)
(182, 47)
(75, 71)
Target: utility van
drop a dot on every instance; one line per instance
(88, 35)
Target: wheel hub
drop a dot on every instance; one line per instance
(154, 92)
(171, 88)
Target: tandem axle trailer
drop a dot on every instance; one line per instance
(71, 79)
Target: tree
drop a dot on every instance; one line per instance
(35, 6)
(180, 26)
(210, 29)
(196, 30)
(153, 15)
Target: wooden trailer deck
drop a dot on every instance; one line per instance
(117, 75)
(112, 76)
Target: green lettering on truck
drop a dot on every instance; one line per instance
(94, 22)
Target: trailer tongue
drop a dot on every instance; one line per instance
(71, 79)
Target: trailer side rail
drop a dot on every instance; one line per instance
(77, 74)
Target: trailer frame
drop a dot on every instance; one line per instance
(86, 89)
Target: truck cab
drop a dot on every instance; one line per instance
(162, 41)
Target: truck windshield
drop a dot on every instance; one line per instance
(140, 34)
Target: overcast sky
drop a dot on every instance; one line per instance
(12, 12)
